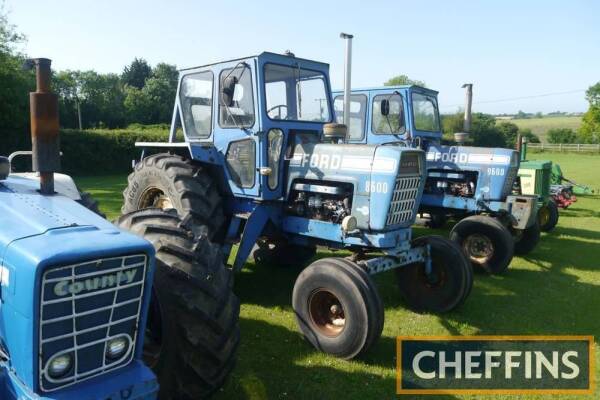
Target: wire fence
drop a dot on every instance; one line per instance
(565, 147)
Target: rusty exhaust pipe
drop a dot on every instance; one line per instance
(44, 125)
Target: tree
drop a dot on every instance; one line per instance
(15, 83)
(153, 103)
(593, 95)
(403, 80)
(136, 73)
(589, 132)
(510, 132)
(561, 135)
(531, 137)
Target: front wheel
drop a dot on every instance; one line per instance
(445, 287)
(485, 241)
(337, 309)
(526, 239)
(548, 216)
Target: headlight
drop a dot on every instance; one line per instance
(60, 365)
(115, 348)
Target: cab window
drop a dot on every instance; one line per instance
(388, 114)
(239, 112)
(358, 114)
(426, 116)
(196, 96)
(296, 94)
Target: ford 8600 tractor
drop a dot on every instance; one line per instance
(473, 185)
(76, 291)
(263, 167)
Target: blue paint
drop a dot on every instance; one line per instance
(39, 234)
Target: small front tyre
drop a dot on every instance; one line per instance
(336, 307)
(485, 241)
(446, 287)
(526, 239)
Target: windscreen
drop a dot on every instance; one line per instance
(426, 115)
(296, 94)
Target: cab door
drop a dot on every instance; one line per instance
(235, 126)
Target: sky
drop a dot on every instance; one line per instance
(520, 55)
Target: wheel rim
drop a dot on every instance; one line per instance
(479, 248)
(326, 312)
(544, 215)
(154, 197)
(153, 333)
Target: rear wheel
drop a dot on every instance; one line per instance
(169, 181)
(548, 216)
(485, 241)
(527, 239)
(90, 203)
(448, 284)
(192, 333)
(336, 307)
(279, 252)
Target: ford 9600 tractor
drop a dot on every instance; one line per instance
(263, 166)
(76, 291)
(474, 185)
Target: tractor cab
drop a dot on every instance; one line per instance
(391, 114)
(250, 111)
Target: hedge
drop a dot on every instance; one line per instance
(101, 152)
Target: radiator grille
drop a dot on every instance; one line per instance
(82, 307)
(403, 207)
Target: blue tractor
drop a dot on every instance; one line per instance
(260, 164)
(76, 291)
(473, 185)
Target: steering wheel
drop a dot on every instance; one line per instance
(278, 107)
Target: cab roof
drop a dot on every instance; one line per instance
(266, 54)
(387, 88)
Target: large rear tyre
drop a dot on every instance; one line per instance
(336, 307)
(192, 333)
(485, 241)
(169, 181)
(548, 216)
(90, 203)
(527, 239)
(279, 252)
(446, 287)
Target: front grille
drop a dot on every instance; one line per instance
(511, 176)
(82, 307)
(403, 207)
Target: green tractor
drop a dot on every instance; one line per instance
(535, 179)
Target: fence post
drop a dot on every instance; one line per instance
(578, 147)
(542, 146)
(560, 147)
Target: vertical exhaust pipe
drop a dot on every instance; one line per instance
(347, 77)
(44, 125)
(461, 137)
(468, 103)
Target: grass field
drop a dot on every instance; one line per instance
(553, 291)
(540, 126)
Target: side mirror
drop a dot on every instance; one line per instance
(385, 107)
(227, 90)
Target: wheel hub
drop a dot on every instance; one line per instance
(544, 215)
(154, 197)
(326, 312)
(479, 248)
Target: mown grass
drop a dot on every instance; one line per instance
(555, 290)
(540, 126)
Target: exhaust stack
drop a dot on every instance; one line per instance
(44, 125)
(347, 77)
(461, 137)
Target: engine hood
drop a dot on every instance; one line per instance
(24, 212)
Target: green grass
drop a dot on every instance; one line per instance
(553, 291)
(540, 126)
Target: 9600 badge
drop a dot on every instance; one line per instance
(495, 364)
